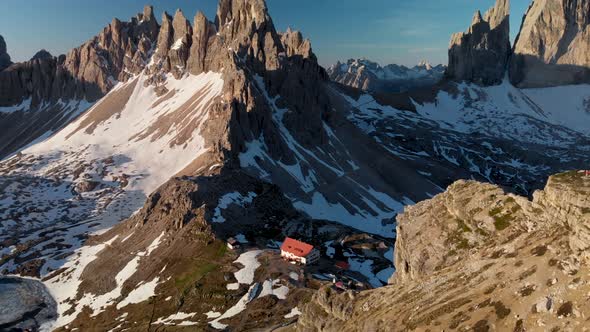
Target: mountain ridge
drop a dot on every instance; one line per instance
(370, 76)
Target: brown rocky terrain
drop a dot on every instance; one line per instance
(481, 54)
(477, 258)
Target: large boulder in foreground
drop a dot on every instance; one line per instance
(553, 47)
(481, 54)
(477, 259)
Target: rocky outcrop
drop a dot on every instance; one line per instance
(4, 57)
(553, 46)
(174, 44)
(565, 198)
(369, 76)
(202, 32)
(481, 54)
(477, 258)
(179, 51)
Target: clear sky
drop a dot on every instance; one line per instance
(387, 31)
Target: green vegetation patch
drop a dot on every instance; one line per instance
(463, 226)
(199, 270)
(502, 222)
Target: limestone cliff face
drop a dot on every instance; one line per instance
(476, 258)
(553, 47)
(481, 54)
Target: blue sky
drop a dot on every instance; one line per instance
(387, 31)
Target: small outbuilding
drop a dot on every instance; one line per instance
(300, 252)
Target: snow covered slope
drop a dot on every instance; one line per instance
(345, 179)
(499, 134)
(547, 116)
(100, 168)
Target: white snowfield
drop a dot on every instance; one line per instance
(517, 114)
(245, 276)
(155, 157)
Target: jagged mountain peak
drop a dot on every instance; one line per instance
(481, 53)
(4, 57)
(477, 18)
(368, 75)
(498, 14)
(181, 25)
(242, 12)
(42, 54)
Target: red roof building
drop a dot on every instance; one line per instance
(342, 265)
(299, 252)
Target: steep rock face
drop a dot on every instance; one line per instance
(86, 72)
(247, 33)
(553, 46)
(570, 204)
(4, 57)
(202, 31)
(489, 261)
(481, 54)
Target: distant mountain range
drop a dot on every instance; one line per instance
(370, 76)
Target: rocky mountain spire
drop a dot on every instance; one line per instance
(481, 54)
(179, 51)
(182, 27)
(202, 30)
(4, 57)
(86, 72)
(165, 36)
(553, 46)
(148, 23)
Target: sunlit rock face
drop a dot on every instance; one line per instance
(553, 47)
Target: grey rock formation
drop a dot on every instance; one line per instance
(481, 54)
(553, 46)
(4, 57)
